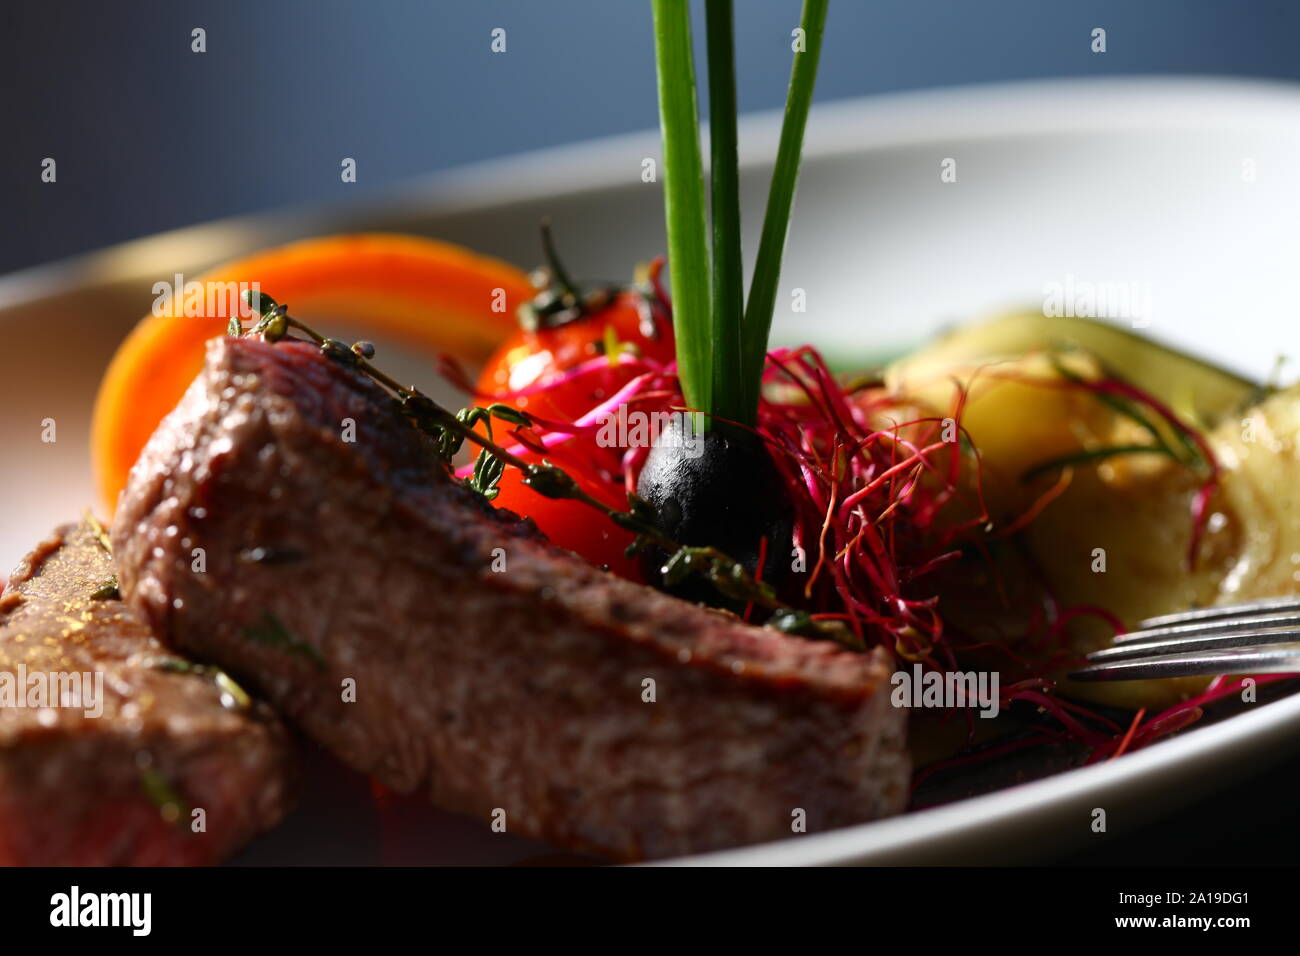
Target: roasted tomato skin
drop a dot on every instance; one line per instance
(534, 358)
(531, 358)
(572, 525)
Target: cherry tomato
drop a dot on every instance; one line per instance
(572, 524)
(537, 357)
(531, 358)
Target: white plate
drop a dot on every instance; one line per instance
(1185, 187)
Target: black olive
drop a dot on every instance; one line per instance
(719, 489)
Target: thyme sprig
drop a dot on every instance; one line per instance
(450, 431)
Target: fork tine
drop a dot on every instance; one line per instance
(1222, 625)
(1290, 602)
(1216, 640)
(1277, 659)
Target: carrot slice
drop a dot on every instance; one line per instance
(431, 295)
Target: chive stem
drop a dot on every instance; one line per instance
(684, 206)
(776, 221)
(724, 166)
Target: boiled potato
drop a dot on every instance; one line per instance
(1118, 535)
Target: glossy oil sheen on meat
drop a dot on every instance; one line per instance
(430, 640)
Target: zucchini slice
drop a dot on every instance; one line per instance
(1199, 392)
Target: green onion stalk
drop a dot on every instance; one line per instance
(721, 488)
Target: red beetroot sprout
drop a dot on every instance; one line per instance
(1128, 737)
(758, 573)
(867, 502)
(1052, 705)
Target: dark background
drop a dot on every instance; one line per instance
(150, 136)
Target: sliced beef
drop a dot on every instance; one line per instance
(435, 642)
(108, 740)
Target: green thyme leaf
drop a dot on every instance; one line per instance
(507, 414)
(488, 469)
(272, 632)
(163, 795)
(175, 665)
(259, 303)
(108, 591)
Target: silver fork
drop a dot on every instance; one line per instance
(1256, 637)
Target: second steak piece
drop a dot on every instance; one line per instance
(114, 751)
(287, 522)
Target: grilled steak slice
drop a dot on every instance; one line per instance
(108, 741)
(503, 674)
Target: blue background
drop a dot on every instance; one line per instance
(150, 136)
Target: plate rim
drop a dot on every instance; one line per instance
(836, 128)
